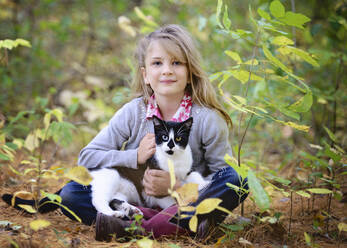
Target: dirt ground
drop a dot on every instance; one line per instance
(66, 233)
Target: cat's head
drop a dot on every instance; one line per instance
(172, 137)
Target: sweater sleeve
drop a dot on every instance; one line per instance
(215, 141)
(105, 149)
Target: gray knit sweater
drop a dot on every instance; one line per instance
(208, 139)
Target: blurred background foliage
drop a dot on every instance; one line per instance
(81, 61)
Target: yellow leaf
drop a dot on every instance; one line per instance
(282, 41)
(187, 208)
(342, 227)
(297, 126)
(31, 142)
(172, 173)
(145, 243)
(252, 62)
(80, 175)
(39, 224)
(193, 223)
(207, 205)
(234, 55)
(28, 208)
(188, 193)
(23, 195)
(47, 120)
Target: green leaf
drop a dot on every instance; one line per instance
(226, 20)
(274, 60)
(52, 197)
(282, 41)
(4, 157)
(304, 55)
(277, 9)
(61, 132)
(234, 55)
(331, 135)
(295, 19)
(264, 14)
(261, 198)
(288, 112)
(307, 239)
(144, 18)
(303, 104)
(218, 13)
(243, 76)
(22, 42)
(241, 170)
(319, 191)
(303, 193)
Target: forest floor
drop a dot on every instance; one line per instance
(66, 233)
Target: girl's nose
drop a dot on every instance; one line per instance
(167, 69)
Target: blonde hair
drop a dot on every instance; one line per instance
(178, 41)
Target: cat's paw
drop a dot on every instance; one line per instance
(124, 209)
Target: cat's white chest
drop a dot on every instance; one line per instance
(182, 161)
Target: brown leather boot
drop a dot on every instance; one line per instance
(108, 226)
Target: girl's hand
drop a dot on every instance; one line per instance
(146, 148)
(157, 182)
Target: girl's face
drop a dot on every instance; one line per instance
(166, 74)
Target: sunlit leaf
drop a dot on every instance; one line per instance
(251, 62)
(124, 24)
(303, 55)
(188, 193)
(261, 198)
(241, 99)
(39, 224)
(144, 18)
(207, 205)
(295, 19)
(79, 174)
(264, 14)
(319, 191)
(22, 42)
(172, 173)
(307, 239)
(243, 76)
(241, 170)
(218, 13)
(28, 208)
(145, 243)
(234, 55)
(282, 41)
(303, 104)
(193, 223)
(342, 227)
(226, 20)
(303, 193)
(187, 209)
(31, 142)
(297, 126)
(331, 134)
(52, 197)
(277, 9)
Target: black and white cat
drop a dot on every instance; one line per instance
(115, 189)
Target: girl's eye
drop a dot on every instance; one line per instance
(178, 139)
(176, 63)
(156, 63)
(164, 137)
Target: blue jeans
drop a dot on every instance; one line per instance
(78, 197)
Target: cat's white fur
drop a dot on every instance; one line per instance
(107, 184)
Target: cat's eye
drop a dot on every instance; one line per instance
(164, 137)
(178, 139)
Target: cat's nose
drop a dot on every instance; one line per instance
(171, 144)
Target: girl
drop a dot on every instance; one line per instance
(170, 84)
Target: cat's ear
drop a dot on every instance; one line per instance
(157, 121)
(188, 123)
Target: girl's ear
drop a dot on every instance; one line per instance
(143, 70)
